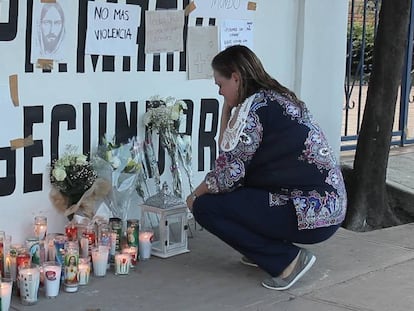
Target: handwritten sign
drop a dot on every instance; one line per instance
(234, 32)
(229, 9)
(202, 46)
(112, 28)
(164, 31)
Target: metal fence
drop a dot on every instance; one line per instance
(362, 26)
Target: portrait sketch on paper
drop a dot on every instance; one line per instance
(48, 31)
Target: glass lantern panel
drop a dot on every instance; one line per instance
(175, 231)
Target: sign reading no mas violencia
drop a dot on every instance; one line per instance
(112, 29)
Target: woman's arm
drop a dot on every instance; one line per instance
(200, 190)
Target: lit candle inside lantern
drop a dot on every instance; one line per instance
(5, 294)
(122, 263)
(145, 244)
(40, 227)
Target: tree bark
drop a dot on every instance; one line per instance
(368, 206)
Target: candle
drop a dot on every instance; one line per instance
(5, 294)
(84, 244)
(122, 263)
(71, 266)
(40, 227)
(84, 270)
(29, 280)
(132, 251)
(52, 272)
(71, 232)
(145, 244)
(100, 260)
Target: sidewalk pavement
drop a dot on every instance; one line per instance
(369, 271)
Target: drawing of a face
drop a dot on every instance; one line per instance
(51, 24)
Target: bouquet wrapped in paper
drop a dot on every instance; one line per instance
(123, 165)
(76, 188)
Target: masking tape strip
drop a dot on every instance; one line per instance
(14, 90)
(45, 63)
(189, 8)
(47, 1)
(21, 142)
(251, 6)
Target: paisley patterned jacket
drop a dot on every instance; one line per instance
(283, 151)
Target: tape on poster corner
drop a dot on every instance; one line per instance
(47, 1)
(14, 90)
(45, 63)
(251, 6)
(189, 8)
(21, 142)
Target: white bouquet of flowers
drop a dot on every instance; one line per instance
(163, 117)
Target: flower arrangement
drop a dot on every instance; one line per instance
(164, 114)
(72, 174)
(123, 166)
(164, 117)
(75, 184)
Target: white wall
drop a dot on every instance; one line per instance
(301, 43)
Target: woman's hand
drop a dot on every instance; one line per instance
(190, 201)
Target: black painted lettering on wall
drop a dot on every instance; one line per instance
(86, 128)
(207, 138)
(189, 114)
(102, 121)
(28, 66)
(32, 182)
(8, 31)
(60, 113)
(8, 182)
(123, 128)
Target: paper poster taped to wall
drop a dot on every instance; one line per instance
(202, 46)
(49, 37)
(230, 9)
(236, 32)
(164, 31)
(112, 28)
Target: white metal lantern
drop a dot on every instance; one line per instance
(166, 216)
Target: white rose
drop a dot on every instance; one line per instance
(182, 104)
(174, 114)
(59, 173)
(81, 159)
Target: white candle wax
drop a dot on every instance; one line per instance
(5, 294)
(100, 260)
(29, 279)
(145, 244)
(40, 231)
(52, 275)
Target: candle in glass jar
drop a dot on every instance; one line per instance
(100, 260)
(40, 227)
(5, 294)
(122, 263)
(84, 270)
(71, 232)
(132, 251)
(145, 244)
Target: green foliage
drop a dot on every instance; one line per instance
(358, 48)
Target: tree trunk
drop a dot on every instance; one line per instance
(368, 206)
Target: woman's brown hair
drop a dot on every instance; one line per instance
(241, 60)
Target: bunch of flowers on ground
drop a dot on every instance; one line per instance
(123, 165)
(163, 117)
(75, 184)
